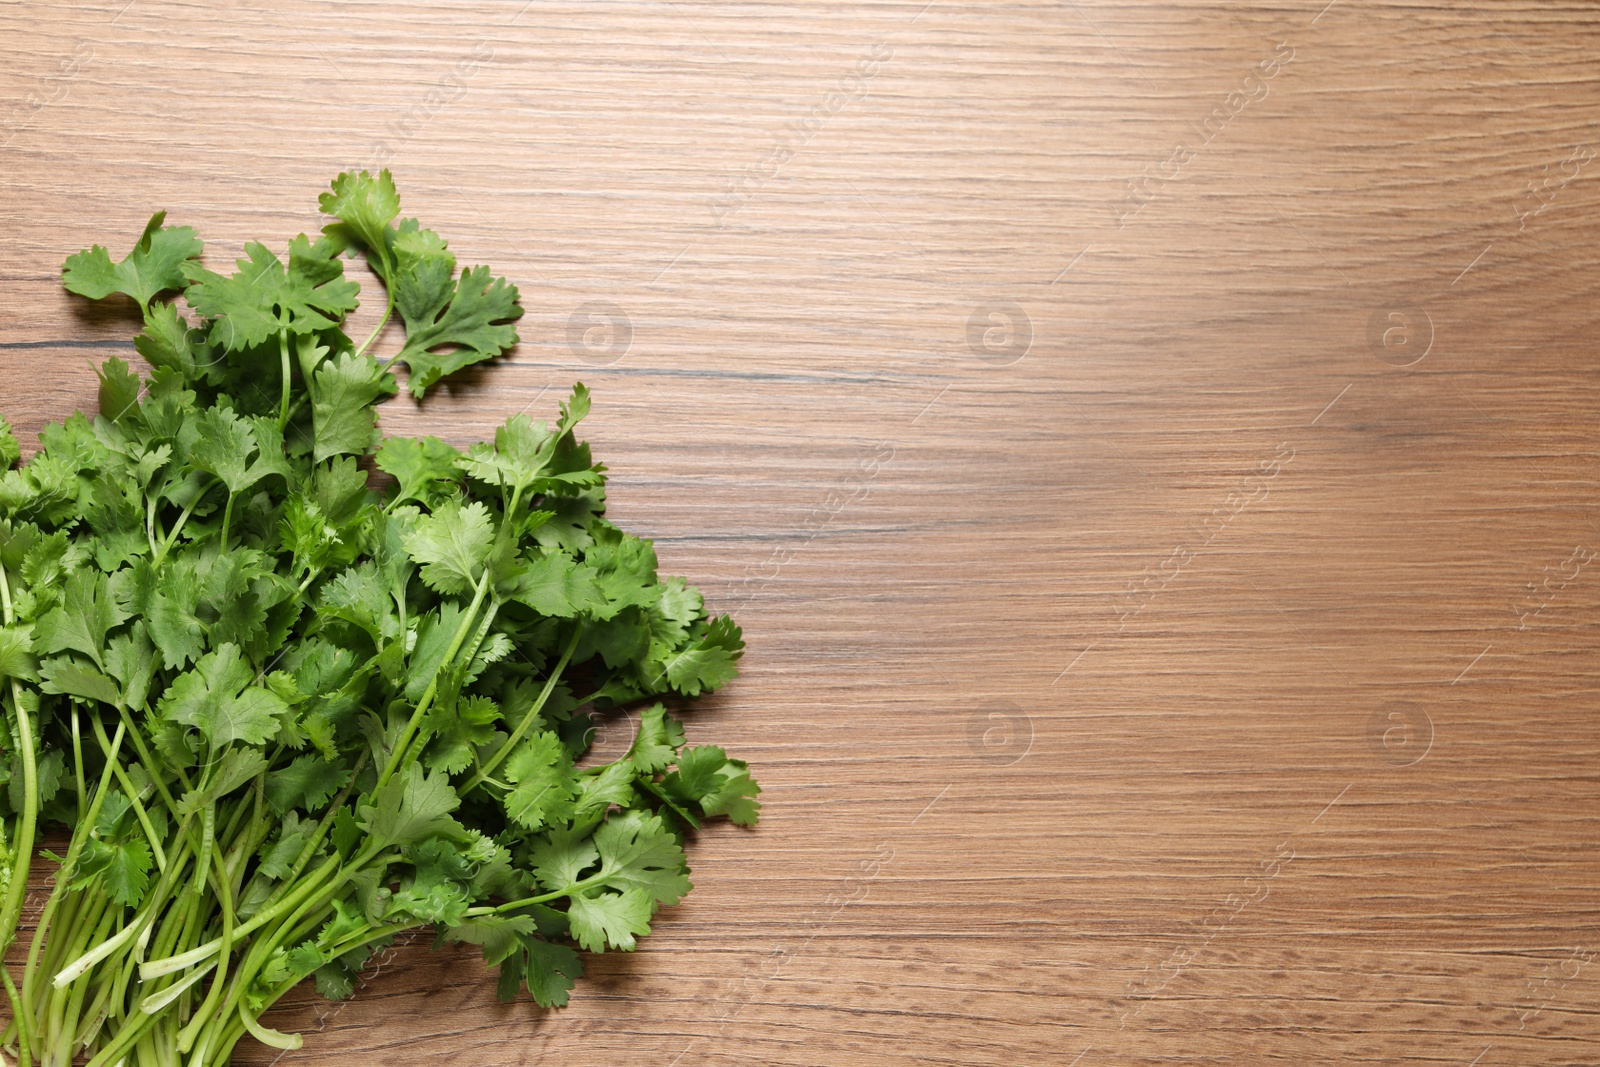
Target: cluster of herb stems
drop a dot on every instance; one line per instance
(129, 987)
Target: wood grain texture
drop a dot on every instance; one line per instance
(1155, 678)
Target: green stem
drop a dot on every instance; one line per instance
(227, 520)
(540, 899)
(77, 759)
(177, 527)
(24, 1051)
(202, 1018)
(283, 402)
(178, 962)
(147, 913)
(527, 719)
(378, 329)
(150, 522)
(404, 741)
(110, 749)
(27, 822)
(150, 766)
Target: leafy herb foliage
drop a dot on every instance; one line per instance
(288, 716)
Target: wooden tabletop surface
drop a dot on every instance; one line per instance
(1150, 449)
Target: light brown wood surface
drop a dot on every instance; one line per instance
(1200, 687)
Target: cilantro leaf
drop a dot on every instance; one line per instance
(708, 661)
(560, 857)
(472, 325)
(424, 270)
(80, 624)
(119, 389)
(72, 677)
(264, 298)
(411, 807)
(638, 852)
(460, 728)
(659, 738)
(341, 406)
(419, 465)
(216, 698)
(554, 584)
(168, 343)
(452, 545)
(155, 265)
(364, 204)
(511, 942)
(307, 782)
(542, 772)
(613, 919)
(239, 451)
(16, 653)
(550, 971)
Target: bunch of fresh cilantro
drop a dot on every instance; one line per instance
(287, 716)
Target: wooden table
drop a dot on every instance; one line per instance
(1150, 449)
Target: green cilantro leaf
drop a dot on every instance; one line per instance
(216, 698)
(637, 851)
(264, 298)
(365, 205)
(460, 727)
(659, 738)
(554, 584)
(474, 325)
(341, 406)
(542, 773)
(452, 545)
(613, 919)
(709, 661)
(411, 807)
(155, 265)
(86, 614)
(422, 466)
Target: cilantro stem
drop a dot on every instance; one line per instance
(177, 528)
(555, 894)
(18, 1018)
(150, 522)
(77, 759)
(150, 768)
(110, 750)
(528, 718)
(227, 520)
(404, 741)
(283, 403)
(378, 329)
(146, 915)
(187, 1037)
(22, 847)
(310, 886)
